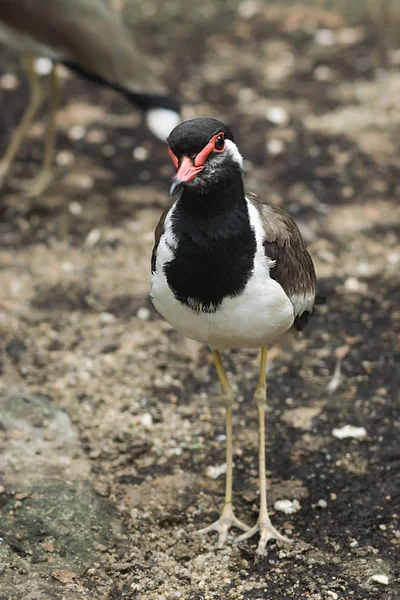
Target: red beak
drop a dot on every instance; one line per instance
(185, 173)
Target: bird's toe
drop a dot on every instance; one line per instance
(267, 532)
(223, 525)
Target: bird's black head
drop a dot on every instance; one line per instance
(204, 153)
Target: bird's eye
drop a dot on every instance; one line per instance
(219, 142)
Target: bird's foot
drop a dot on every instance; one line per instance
(267, 533)
(224, 523)
(37, 185)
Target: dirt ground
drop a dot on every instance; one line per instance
(110, 426)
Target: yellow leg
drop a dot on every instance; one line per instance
(264, 525)
(227, 518)
(36, 99)
(38, 184)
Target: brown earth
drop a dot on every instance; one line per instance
(110, 420)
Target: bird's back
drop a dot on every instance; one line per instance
(88, 32)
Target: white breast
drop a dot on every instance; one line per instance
(260, 314)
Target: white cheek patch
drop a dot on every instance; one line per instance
(233, 152)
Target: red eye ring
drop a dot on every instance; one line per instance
(210, 147)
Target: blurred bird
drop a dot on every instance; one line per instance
(228, 271)
(88, 37)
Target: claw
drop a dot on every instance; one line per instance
(267, 533)
(223, 524)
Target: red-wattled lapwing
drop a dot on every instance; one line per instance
(88, 37)
(228, 271)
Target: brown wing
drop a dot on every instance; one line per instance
(88, 32)
(294, 269)
(157, 236)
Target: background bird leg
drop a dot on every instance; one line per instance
(35, 101)
(227, 518)
(40, 182)
(264, 525)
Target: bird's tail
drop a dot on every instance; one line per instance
(162, 111)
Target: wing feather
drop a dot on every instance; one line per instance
(294, 268)
(157, 236)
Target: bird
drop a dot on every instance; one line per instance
(229, 271)
(89, 38)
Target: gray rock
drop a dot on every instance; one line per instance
(53, 525)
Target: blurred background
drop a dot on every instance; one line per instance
(111, 445)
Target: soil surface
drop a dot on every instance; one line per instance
(111, 430)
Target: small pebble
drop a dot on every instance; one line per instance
(77, 132)
(93, 238)
(355, 286)
(323, 73)
(214, 472)
(43, 66)
(322, 503)
(277, 115)
(349, 431)
(382, 579)
(275, 146)
(143, 313)
(96, 136)
(324, 37)
(350, 35)
(287, 506)
(147, 420)
(67, 266)
(248, 9)
(8, 81)
(394, 258)
(75, 208)
(139, 153)
(106, 318)
(64, 158)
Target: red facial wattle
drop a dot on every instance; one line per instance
(188, 168)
